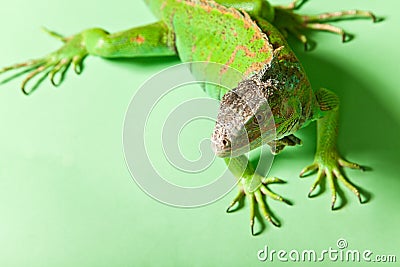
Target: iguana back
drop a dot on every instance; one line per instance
(207, 31)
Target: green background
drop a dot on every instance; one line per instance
(67, 198)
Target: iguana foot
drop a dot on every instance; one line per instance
(287, 21)
(58, 62)
(278, 145)
(330, 166)
(257, 196)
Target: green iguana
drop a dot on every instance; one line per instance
(247, 35)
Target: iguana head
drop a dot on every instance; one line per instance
(244, 120)
(262, 108)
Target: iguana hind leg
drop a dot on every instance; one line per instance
(284, 18)
(150, 40)
(287, 21)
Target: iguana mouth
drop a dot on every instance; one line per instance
(225, 148)
(219, 151)
(227, 151)
(240, 140)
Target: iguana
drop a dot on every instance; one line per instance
(248, 35)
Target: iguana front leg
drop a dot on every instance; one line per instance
(150, 40)
(328, 161)
(278, 145)
(255, 187)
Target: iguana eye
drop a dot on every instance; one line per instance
(260, 118)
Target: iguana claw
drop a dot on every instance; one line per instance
(278, 145)
(332, 169)
(257, 196)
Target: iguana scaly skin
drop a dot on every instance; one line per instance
(248, 35)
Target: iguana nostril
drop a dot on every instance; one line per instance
(225, 142)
